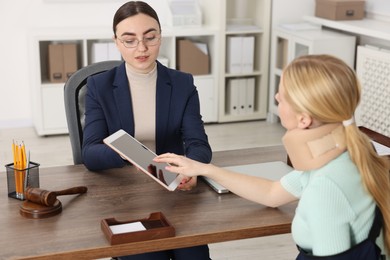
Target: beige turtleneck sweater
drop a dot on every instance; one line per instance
(143, 94)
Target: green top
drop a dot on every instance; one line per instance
(335, 211)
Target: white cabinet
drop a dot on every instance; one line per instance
(207, 84)
(288, 44)
(246, 30)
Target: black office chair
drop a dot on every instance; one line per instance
(74, 92)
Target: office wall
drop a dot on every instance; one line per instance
(19, 19)
(286, 11)
(380, 7)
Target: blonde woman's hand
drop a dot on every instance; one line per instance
(182, 165)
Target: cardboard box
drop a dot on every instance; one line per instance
(62, 61)
(69, 60)
(55, 64)
(340, 9)
(193, 57)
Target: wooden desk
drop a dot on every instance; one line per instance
(376, 136)
(200, 216)
(379, 138)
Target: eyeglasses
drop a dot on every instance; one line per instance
(148, 41)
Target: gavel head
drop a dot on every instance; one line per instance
(39, 196)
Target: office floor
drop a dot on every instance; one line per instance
(56, 150)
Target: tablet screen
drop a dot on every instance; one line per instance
(141, 156)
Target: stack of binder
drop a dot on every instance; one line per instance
(241, 96)
(240, 54)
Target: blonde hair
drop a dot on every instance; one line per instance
(327, 89)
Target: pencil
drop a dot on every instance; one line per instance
(27, 172)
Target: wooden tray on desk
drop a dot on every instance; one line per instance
(157, 226)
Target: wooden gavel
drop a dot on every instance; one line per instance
(48, 198)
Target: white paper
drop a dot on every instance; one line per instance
(126, 228)
(202, 47)
(381, 149)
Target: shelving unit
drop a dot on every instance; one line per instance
(245, 18)
(48, 102)
(234, 18)
(288, 44)
(207, 85)
(47, 97)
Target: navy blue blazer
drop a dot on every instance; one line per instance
(108, 108)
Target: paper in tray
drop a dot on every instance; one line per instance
(157, 226)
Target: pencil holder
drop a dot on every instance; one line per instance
(19, 179)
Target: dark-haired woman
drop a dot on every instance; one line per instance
(157, 105)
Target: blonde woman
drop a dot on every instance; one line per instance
(338, 179)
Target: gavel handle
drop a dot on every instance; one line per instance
(74, 190)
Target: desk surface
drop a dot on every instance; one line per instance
(200, 216)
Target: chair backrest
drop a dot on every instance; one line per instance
(74, 95)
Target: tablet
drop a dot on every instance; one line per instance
(142, 157)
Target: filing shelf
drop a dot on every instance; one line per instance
(48, 106)
(48, 97)
(246, 18)
(48, 101)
